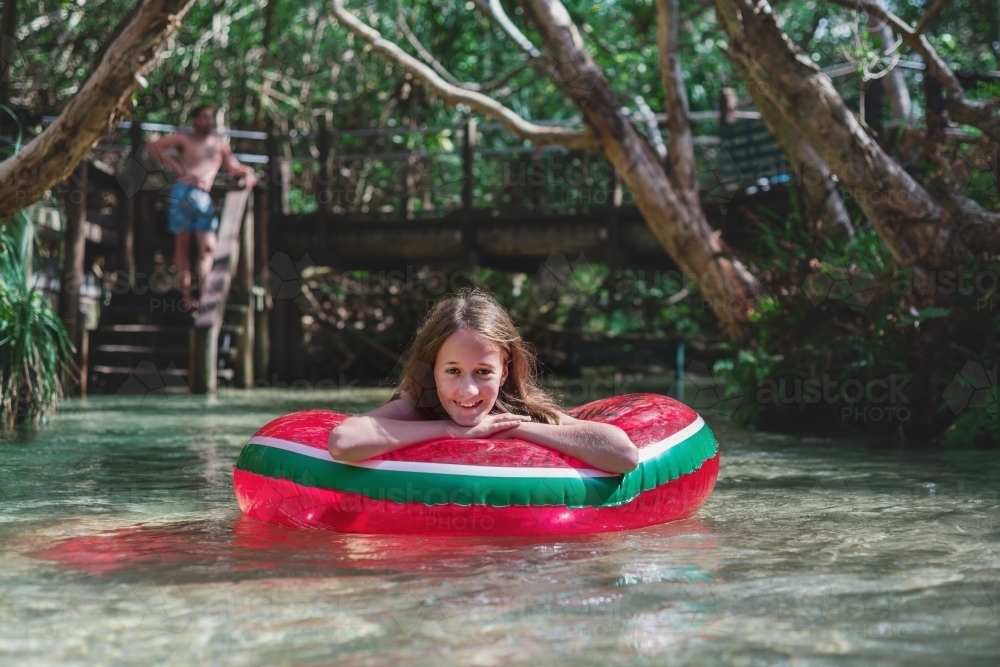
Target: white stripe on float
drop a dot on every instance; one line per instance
(656, 449)
(645, 454)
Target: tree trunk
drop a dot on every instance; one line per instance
(914, 226)
(680, 151)
(896, 92)
(984, 115)
(94, 111)
(678, 224)
(99, 55)
(825, 208)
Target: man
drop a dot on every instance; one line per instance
(200, 155)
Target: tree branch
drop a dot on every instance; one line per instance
(94, 111)
(680, 153)
(428, 56)
(961, 109)
(495, 10)
(678, 222)
(914, 226)
(537, 59)
(538, 134)
(425, 53)
(929, 16)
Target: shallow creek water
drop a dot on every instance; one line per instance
(121, 543)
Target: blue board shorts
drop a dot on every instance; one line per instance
(190, 209)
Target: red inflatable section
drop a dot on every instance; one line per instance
(284, 503)
(646, 418)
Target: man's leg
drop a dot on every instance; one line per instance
(206, 256)
(182, 253)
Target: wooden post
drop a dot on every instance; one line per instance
(278, 366)
(729, 103)
(406, 187)
(83, 358)
(146, 229)
(127, 211)
(203, 371)
(468, 162)
(244, 374)
(537, 193)
(324, 177)
(874, 98)
(614, 223)
(679, 371)
(934, 108)
(8, 28)
(280, 172)
(74, 248)
(262, 330)
(293, 338)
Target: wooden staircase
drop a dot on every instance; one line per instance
(132, 340)
(151, 337)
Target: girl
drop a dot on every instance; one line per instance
(468, 374)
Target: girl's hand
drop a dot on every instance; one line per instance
(490, 426)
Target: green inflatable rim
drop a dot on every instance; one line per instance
(314, 468)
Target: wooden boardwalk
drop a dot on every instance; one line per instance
(479, 205)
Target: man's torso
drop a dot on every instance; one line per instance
(202, 159)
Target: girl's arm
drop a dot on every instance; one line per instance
(603, 446)
(396, 424)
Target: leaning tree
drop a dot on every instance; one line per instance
(924, 225)
(667, 199)
(103, 100)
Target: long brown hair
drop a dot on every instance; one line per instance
(474, 310)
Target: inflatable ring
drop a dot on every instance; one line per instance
(285, 475)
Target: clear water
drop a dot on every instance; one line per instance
(121, 543)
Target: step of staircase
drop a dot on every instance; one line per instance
(125, 371)
(138, 337)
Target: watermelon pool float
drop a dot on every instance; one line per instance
(285, 475)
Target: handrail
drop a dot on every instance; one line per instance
(237, 212)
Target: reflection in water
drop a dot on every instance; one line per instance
(120, 542)
(210, 551)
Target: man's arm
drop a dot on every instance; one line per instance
(233, 166)
(158, 151)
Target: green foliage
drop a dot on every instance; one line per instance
(979, 422)
(34, 346)
(311, 62)
(840, 313)
(976, 426)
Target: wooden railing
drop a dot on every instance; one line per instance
(233, 253)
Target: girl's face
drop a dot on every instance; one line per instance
(469, 371)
